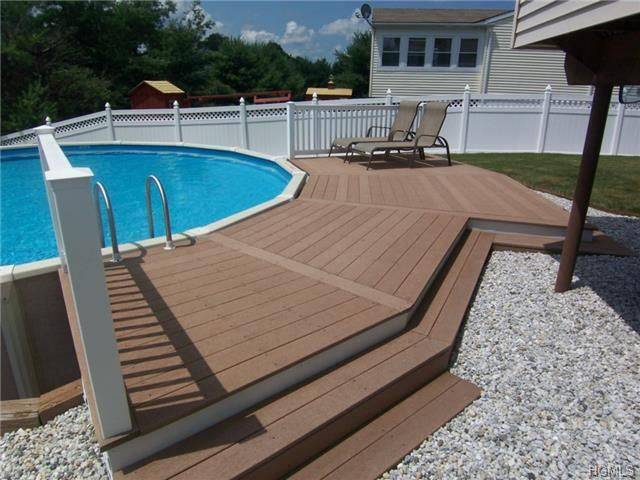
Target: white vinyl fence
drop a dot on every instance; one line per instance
(474, 123)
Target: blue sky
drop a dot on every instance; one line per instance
(310, 28)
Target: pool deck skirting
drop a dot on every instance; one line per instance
(232, 318)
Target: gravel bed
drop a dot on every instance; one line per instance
(559, 373)
(63, 449)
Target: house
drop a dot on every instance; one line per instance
(156, 94)
(330, 92)
(429, 51)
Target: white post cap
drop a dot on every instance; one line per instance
(388, 91)
(315, 95)
(107, 106)
(241, 100)
(44, 130)
(175, 104)
(47, 120)
(467, 87)
(548, 88)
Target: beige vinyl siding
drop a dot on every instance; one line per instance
(403, 82)
(525, 71)
(539, 21)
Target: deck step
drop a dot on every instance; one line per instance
(381, 444)
(406, 374)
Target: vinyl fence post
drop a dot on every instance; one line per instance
(617, 129)
(544, 119)
(110, 130)
(291, 126)
(244, 134)
(464, 124)
(314, 122)
(388, 99)
(74, 212)
(176, 120)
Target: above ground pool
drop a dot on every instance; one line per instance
(202, 186)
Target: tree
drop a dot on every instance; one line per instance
(351, 68)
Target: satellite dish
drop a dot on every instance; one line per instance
(365, 11)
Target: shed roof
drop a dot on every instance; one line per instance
(338, 92)
(433, 15)
(163, 86)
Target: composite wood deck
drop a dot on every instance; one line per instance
(226, 311)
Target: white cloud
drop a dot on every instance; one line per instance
(294, 33)
(344, 26)
(258, 36)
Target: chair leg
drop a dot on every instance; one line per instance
(421, 153)
(446, 145)
(369, 162)
(331, 149)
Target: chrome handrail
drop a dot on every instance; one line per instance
(98, 191)
(165, 208)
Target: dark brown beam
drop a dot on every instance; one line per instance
(584, 185)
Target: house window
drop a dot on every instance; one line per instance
(415, 52)
(391, 51)
(442, 52)
(468, 55)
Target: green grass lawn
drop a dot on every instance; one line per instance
(616, 188)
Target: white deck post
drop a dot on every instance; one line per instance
(244, 137)
(464, 124)
(110, 129)
(388, 99)
(544, 119)
(291, 126)
(176, 121)
(617, 129)
(74, 212)
(314, 122)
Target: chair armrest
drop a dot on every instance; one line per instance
(372, 127)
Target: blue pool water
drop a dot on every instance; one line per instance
(202, 186)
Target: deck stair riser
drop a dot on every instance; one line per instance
(294, 429)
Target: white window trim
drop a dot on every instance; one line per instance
(430, 37)
(381, 50)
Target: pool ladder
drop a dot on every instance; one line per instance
(100, 191)
(152, 179)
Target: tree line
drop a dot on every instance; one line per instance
(63, 59)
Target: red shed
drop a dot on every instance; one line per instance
(156, 94)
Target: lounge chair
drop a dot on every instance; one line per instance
(427, 135)
(399, 130)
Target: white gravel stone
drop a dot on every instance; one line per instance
(63, 449)
(559, 373)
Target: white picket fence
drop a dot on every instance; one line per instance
(474, 123)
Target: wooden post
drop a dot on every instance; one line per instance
(464, 123)
(110, 129)
(75, 211)
(544, 119)
(176, 120)
(617, 129)
(584, 185)
(291, 130)
(314, 122)
(244, 134)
